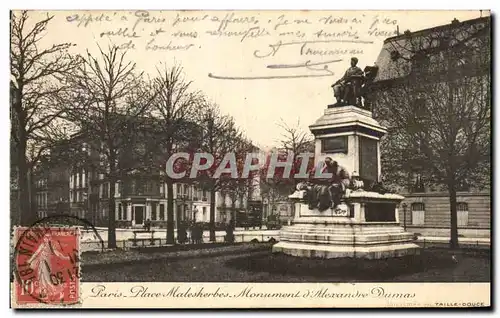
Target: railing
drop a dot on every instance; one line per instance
(430, 243)
(271, 236)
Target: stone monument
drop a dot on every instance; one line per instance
(365, 223)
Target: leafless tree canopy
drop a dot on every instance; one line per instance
(108, 103)
(37, 78)
(175, 112)
(294, 139)
(437, 107)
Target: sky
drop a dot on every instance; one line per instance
(251, 63)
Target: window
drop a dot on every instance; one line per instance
(418, 183)
(105, 190)
(80, 178)
(462, 214)
(204, 211)
(242, 204)
(420, 63)
(420, 108)
(149, 186)
(334, 145)
(162, 212)
(153, 211)
(139, 187)
(120, 216)
(417, 213)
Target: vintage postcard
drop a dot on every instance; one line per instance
(250, 159)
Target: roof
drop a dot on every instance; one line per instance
(401, 43)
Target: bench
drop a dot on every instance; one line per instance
(135, 239)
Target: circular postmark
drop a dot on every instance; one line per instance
(47, 260)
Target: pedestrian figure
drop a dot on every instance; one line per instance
(182, 233)
(199, 234)
(229, 238)
(147, 225)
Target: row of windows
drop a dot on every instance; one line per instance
(419, 206)
(156, 214)
(141, 188)
(418, 213)
(77, 180)
(41, 200)
(122, 212)
(81, 195)
(42, 182)
(184, 190)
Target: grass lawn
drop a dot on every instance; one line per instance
(249, 264)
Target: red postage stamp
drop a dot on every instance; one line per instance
(47, 265)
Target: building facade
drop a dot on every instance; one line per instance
(79, 188)
(429, 213)
(418, 71)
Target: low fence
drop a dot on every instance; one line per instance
(159, 239)
(145, 240)
(470, 244)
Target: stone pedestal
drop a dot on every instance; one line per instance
(369, 230)
(350, 136)
(368, 226)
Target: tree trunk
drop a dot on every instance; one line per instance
(170, 212)
(453, 215)
(32, 194)
(212, 215)
(233, 208)
(111, 214)
(26, 215)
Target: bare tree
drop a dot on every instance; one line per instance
(440, 108)
(293, 140)
(177, 106)
(219, 136)
(36, 78)
(107, 102)
(240, 188)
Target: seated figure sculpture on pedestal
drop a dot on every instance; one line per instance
(352, 87)
(326, 193)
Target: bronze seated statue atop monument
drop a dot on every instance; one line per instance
(351, 89)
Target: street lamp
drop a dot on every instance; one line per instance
(404, 215)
